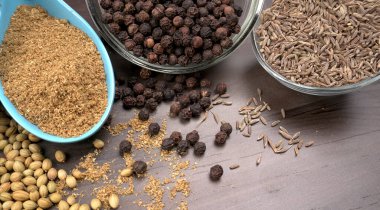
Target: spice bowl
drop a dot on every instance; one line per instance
(318, 91)
(251, 11)
(61, 10)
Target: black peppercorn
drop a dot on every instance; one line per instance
(171, 31)
(205, 92)
(170, 12)
(178, 21)
(191, 82)
(215, 24)
(138, 38)
(217, 12)
(221, 88)
(196, 109)
(157, 34)
(143, 115)
(207, 55)
(205, 32)
(118, 17)
(205, 83)
(138, 50)
(195, 30)
(152, 57)
(180, 78)
(117, 5)
(183, 60)
(165, 23)
(106, 4)
(122, 36)
(166, 41)
(227, 128)
(228, 10)
(205, 102)
(197, 42)
(194, 96)
(107, 18)
(169, 94)
(167, 144)
(232, 20)
(192, 137)
(176, 136)
(129, 102)
(204, 21)
(186, 4)
(129, 8)
(158, 96)
(185, 114)
(188, 22)
(184, 100)
(189, 52)
(158, 49)
(131, 81)
(221, 33)
(158, 12)
(163, 59)
(216, 172)
(237, 29)
(175, 109)
(226, 43)
(183, 147)
(140, 101)
(145, 73)
(203, 12)
(132, 29)
(142, 16)
(129, 44)
(150, 83)
(147, 6)
(154, 129)
(148, 93)
(199, 148)
(221, 138)
(151, 104)
(178, 88)
(114, 28)
(145, 29)
(197, 58)
(160, 85)
(125, 147)
(139, 167)
(217, 50)
(210, 6)
(139, 88)
(192, 12)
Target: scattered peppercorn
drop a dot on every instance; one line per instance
(216, 172)
(139, 167)
(183, 147)
(191, 82)
(199, 148)
(205, 102)
(140, 101)
(192, 137)
(143, 115)
(158, 96)
(184, 100)
(129, 102)
(175, 109)
(151, 104)
(196, 109)
(221, 88)
(178, 88)
(176, 136)
(125, 146)
(169, 94)
(168, 144)
(154, 129)
(185, 114)
(148, 93)
(221, 138)
(227, 128)
(194, 96)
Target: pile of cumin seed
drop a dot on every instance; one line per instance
(322, 43)
(52, 72)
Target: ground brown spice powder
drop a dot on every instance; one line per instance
(53, 73)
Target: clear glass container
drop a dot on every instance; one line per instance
(298, 87)
(251, 12)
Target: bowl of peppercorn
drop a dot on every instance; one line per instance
(174, 36)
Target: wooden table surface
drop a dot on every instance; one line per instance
(341, 171)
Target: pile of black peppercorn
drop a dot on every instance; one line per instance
(183, 145)
(173, 31)
(190, 94)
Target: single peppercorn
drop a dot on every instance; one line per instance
(185, 114)
(194, 96)
(191, 82)
(221, 138)
(205, 93)
(138, 38)
(199, 148)
(175, 109)
(192, 137)
(143, 115)
(221, 88)
(178, 88)
(122, 36)
(189, 52)
(147, 6)
(114, 28)
(138, 50)
(216, 172)
(129, 44)
(170, 12)
(203, 12)
(139, 88)
(180, 78)
(205, 83)
(178, 21)
(176, 136)
(129, 102)
(160, 85)
(107, 18)
(152, 57)
(189, 22)
(192, 12)
(207, 55)
(142, 17)
(118, 17)
(227, 128)
(117, 5)
(151, 104)
(228, 10)
(148, 93)
(232, 20)
(125, 146)
(151, 82)
(197, 58)
(106, 4)
(205, 102)
(226, 43)
(186, 4)
(145, 29)
(165, 23)
(154, 129)
(184, 100)
(158, 12)
(158, 49)
(166, 41)
(183, 147)
(197, 42)
(139, 167)
(217, 50)
(129, 8)
(238, 10)
(163, 59)
(167, 144)
(158, 96)
(145, 73)
(221, 33)
(169, 94)
(140, 101)
(196, 109)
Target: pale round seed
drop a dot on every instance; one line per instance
(9, 165)
(2, 161)
(34, 196)
(63, 205)
(7, 204)
(20, 158)
(25, 153)
(52, 187)
(35, 148)
(84, 207)
(47, 164)
(96, 204)
(11, 155)
(52, 174)
(43, 190)
(5, 196)
(29, 205)
(3, 143)
(77, 173)
(55, 197)
(12, 139)
(16, 176)
(17, 145)
(98, 144)
(28, 172)
(60, 156)
(17, 186)
(18, 166)
(20, 195)
(25, 144)
(3, 170)
(114, 201)
(17, 205)
(5, 187)
(29, 180)
(2, 136)
(5, 178)
(31, 188)
(4, 121)
(33, 138)
(21, 137)
(75, 206)
(7, 149)
(42, 180)
(38, 172)
(3, 128)
(62, 174)
(126, 172)
(10, 131)
(44, 203)
(71, 181)
(35, 165)
(28, 161)
(37, 157)
(71, 200)
(13, 123)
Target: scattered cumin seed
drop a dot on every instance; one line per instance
(296, 151)
(258, 161)
(227, 103)
(255, 101)
(299, 145)
(217, 102)
(225, 96)
(309, 144)
(260, 137)
(235, 166)
(263, 120)
(285, 135)
(216, 118)
(296, 135)
(278, 144)
(254, 121)
(284, 129)
(259, 93)
(283, 114)
(215, 97)
(275, 123)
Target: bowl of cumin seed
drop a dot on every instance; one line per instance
(320, 48)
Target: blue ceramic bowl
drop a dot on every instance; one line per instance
(59, 9)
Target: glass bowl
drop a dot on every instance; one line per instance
(298, 87)
(252, 10)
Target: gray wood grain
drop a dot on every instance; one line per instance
(341, 171)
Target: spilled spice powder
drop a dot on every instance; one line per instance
(52, 72)
(181, 185)
(154, 189)
(91, 170)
